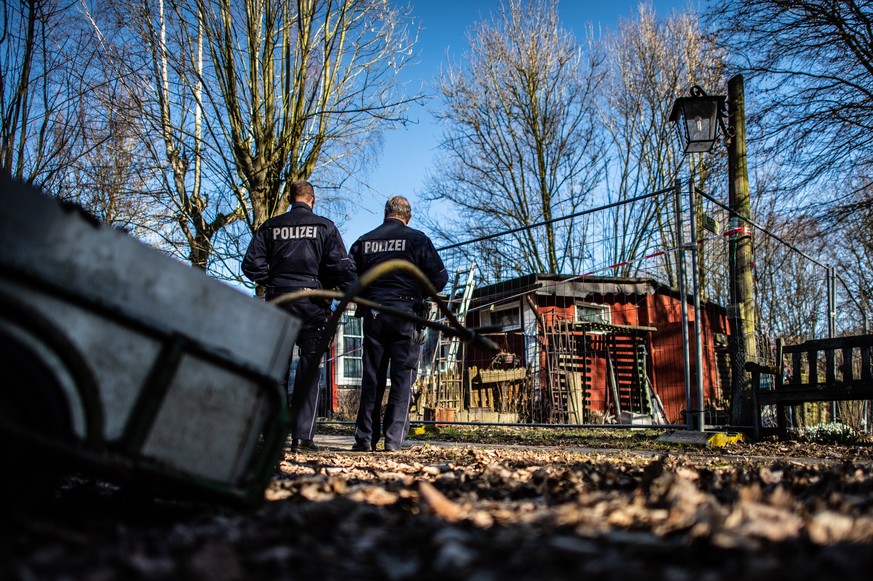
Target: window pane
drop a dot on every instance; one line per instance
(353, 341)
(507, 318)
(593, 313)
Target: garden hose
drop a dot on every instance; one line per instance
(455, 328)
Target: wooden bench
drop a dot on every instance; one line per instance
(819, 370)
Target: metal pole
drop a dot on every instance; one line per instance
(683, 299)
(695, 289)
(832, 302)
(832, 320)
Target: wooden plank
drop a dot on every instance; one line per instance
(848, 370)
(866, 371)
(613, 386)
(854, 341)
(797, 395)
(492, 375)
(812, 363)
(796, 369)
(830, 367)
(779, 374)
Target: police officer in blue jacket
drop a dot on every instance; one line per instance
(295, 251)
(389, 341)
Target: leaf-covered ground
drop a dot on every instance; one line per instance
(505, 509)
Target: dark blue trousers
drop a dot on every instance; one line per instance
(389, 348)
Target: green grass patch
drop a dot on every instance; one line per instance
(540, 436)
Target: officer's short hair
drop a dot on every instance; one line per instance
(300, 191)
(398, 207)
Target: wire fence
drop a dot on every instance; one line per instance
(614, 340)
(796, 300)
(601, 345)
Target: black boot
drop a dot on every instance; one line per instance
(298, 445)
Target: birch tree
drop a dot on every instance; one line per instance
(151, 51)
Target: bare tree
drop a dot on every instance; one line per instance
(306, 87)
(851, 252)
(106, 180)
(233, 98)
(791, 289)
(519, 144)
(854, 270)
(45, 56)
(652, 61)
(812, 63)
(180, 166)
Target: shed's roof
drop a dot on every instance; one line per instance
(579, 286)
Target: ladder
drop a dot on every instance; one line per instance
(466, 295)
(566, 396)
(459, 299)
(446, 378)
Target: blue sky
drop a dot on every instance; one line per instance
(409, 152)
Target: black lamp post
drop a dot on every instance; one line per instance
(696, 119)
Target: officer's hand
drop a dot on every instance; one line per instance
(333, 305)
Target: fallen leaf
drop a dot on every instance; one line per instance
(437, 502)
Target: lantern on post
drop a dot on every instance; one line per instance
(696, 119)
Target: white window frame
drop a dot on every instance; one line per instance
(342, 357)
(604, 312)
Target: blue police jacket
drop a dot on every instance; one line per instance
(298, 249)
(394, 239)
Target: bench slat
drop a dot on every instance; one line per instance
(793, 396)
(830, 367)
(866, 371)
(796, 369)
(812, 364)
(848, 371)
